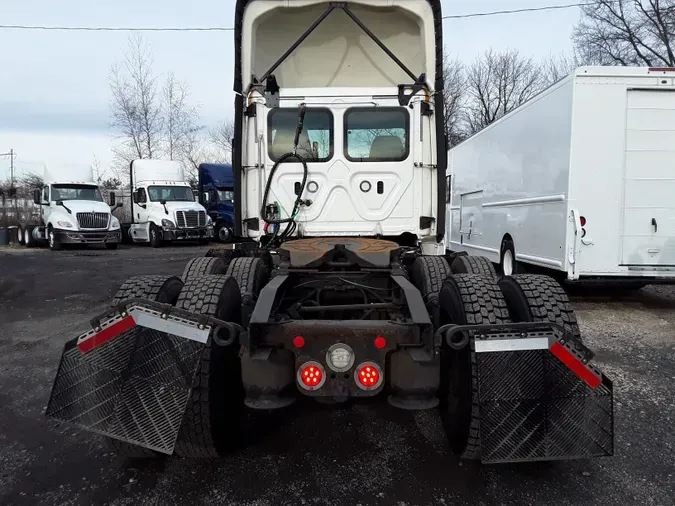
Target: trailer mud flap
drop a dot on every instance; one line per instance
(130, 378)
(539, 397)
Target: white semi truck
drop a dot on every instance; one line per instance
(338, 288)
(71, 211)
(162, 207)
(578, 182)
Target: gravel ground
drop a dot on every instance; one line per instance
(355, 455)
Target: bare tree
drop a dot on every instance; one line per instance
(454, 80)
(497, 83)
(180, 118)
(31, 181)
(220, 138)
(135, 109)
(627, 32)
(557, 67)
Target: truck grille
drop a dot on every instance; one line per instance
(190, 219)
(93, 220)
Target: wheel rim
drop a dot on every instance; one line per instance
(19, 235)
(153, 235)
(26, 237)
(223, 233)
(507, 267)
(51, 239)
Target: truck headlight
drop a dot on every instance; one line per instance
(168, 224)
(114, 223)
(64, 224)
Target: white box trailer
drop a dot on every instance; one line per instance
(580, 180)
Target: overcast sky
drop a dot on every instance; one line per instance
(54, 94)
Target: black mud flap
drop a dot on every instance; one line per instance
(539, 397)
(130, 377)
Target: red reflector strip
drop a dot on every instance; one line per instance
(575, 365)
(106, 334)
(662, 69)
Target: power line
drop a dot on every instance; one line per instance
(228, 29)
(524, 9)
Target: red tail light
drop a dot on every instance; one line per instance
(380, 342)
(311, 376)
(369, 376)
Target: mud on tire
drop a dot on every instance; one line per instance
(211, 422)
(204, 265)
(467, 264)
(538, 298)
(159, 289)
(465, 299)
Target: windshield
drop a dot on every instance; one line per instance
(171, 193)
(225, 195)
(75, 192)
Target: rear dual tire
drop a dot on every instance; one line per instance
(213, 419)
(477, 299)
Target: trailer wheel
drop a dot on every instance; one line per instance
(212, 421)
(508, 264)
(428, 274)
(19, 235)
(28, 239)
(467, 264)
(159, 289)
(204, 265)
(251, 275)
(538, 298)
(465, 299)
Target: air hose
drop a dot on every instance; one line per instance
(290, 228)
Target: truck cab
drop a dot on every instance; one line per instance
(216, 194)
(72, 211)
(163, 205)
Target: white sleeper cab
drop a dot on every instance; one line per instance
(579, 181)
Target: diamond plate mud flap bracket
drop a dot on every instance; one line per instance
(131, 376)
(539, 397)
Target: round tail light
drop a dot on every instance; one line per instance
(311, 375)
(369, 376)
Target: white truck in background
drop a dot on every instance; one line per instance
(71, 211)
(162, 207)
(579, 181)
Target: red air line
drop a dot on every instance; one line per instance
(575, 365)
(106, 334)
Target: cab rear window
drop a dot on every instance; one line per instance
(377, 134)
(316, 140)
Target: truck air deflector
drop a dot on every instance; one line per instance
(332, 6)
(130, 378)
(538, 395)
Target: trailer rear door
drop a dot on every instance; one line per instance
(648, 237)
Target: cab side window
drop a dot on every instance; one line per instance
(142, 196)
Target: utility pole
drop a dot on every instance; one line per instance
(11, 155)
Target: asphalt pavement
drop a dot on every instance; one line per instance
(357, 454)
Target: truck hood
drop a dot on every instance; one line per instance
(182, 206)
(222, 210)
(85, 206)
